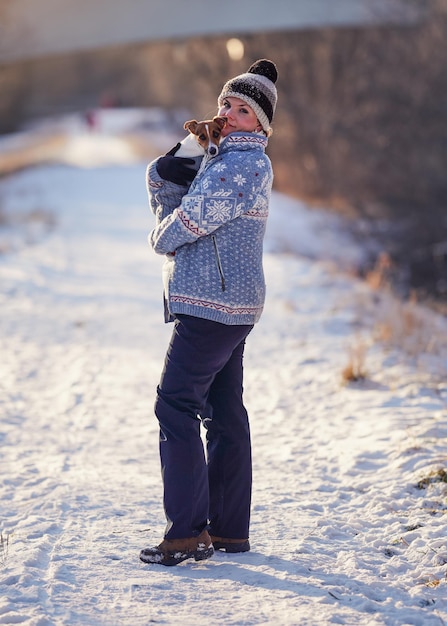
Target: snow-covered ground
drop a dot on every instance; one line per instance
(350, 493)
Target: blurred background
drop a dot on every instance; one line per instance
(360, 126)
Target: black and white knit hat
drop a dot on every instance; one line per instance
(257, 88)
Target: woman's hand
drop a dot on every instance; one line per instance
(176, 169)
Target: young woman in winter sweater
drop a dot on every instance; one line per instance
(211, 229)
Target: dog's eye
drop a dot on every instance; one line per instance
(216, 134)
(202, 137)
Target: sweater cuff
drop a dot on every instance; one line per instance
(153, 178)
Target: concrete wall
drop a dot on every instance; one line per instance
(33, 28)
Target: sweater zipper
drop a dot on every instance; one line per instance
(219, 264)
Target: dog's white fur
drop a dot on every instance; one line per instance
(189, 147)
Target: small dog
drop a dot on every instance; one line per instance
(204, 138)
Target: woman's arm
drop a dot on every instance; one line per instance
(226, 190)
(164, 196)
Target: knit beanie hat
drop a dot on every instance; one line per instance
(257, 88)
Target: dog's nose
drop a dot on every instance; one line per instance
(212, 150)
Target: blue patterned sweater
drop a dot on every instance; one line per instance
(212, 233)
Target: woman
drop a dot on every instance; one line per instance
(212, 233)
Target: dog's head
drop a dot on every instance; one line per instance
(207, 133)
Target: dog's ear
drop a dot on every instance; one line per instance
(191, 126)
(220, 121)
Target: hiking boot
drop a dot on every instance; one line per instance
(173, 551)
(230, 545)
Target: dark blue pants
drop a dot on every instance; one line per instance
(202, 383)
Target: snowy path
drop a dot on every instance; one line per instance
(340, 532)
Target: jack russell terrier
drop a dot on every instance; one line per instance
(203, 138)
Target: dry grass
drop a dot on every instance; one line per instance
(416, 333)
(4, 548)
(379, 276)
(420, 332)
(355, 369)
(436, 476)
(407, 325)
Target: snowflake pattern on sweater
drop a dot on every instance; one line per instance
(213, 233)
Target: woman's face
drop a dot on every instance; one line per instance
(240, 116)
